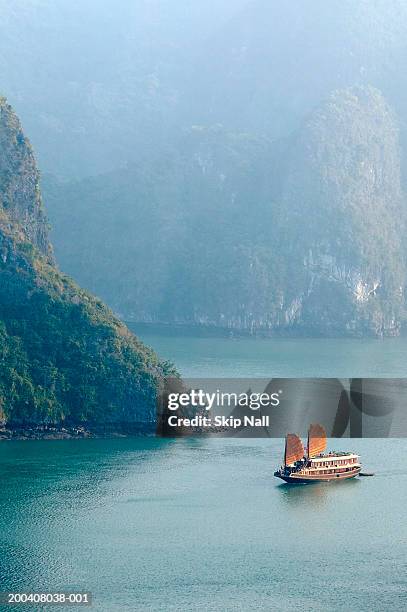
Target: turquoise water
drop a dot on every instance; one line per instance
(154, 524)
(290, 357)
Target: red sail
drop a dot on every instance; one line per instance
(294, 449)
(316, 440)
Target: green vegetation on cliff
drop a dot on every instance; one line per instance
(64, 357)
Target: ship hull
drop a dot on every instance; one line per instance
(298, 478)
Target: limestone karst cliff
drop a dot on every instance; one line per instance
(64, 358)
(341, 218)
(229, 230)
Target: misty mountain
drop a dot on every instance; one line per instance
(303, 235)
(97, 86)
(272, 63)
(341, 218)
(232, 164)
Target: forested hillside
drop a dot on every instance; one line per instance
(64, 358)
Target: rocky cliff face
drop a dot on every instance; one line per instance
(19, 182)
(342, 217)
(64, 358)
(301, 236)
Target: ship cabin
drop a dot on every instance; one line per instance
(333, 463)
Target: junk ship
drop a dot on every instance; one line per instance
(312, 465)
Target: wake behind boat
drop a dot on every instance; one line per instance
(312, 465)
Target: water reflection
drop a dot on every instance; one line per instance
(315, 493)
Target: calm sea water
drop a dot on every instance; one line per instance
(290, 357)
(201, 525)
(151, 524)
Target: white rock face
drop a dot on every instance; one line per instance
(363, 290)
(326, 266)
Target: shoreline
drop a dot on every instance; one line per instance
(259, 333)
(74, 432)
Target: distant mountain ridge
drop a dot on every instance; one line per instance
(117, 85)
(301, 236)
(237, 165)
